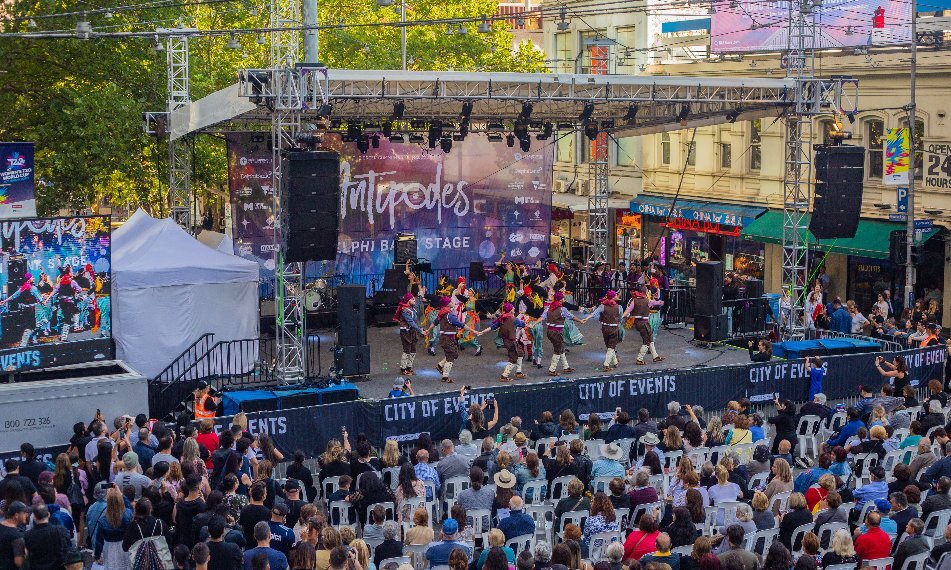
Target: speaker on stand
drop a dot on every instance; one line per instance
(352, 354)
(709, 322)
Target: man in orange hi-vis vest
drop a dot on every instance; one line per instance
(205, 404)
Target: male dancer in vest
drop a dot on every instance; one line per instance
(449, 323)
(640, 307)
(530, 308)
(409, 332)
(554, 318)
(609, 314)
(507, 325)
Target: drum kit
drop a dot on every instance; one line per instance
(320, 296)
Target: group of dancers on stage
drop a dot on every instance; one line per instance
(532, 309)
(70, 302)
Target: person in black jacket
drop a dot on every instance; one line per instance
(223, 555)
(785, 422)
(621, 429)
(763, 352)
(297, 470)
(799, 515)
(143, 525)
(681, 530)
(46, 543)
(391, 547)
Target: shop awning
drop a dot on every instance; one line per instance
(871, 239)
(715, 212)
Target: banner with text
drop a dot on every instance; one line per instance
(17, 177)
(441, 415)
(470, 204)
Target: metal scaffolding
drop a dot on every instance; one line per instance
(179, 150)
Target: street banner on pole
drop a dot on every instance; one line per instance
(897, 154)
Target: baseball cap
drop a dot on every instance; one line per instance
(450, 527)
(280, 509)
(399, 382)
(882, 505)
(17, 507)
(292, 485)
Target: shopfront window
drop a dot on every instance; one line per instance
(629, 236)
(756, 144)
(665, 148)
(875, 137)
(867, 278)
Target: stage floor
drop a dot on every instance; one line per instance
(675, 345)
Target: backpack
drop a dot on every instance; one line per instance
(151, 552)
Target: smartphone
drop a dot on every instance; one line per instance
(343, 429)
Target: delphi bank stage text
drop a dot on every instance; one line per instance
(425, 244)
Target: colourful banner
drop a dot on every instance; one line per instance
(751, 25)
(16, 180)
(470, 204)
(897, 154)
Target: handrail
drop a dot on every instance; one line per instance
(177, 361)
(887, 345)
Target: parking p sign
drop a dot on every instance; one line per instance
(901, 199)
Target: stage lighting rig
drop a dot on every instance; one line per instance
(463, 130)
(398, 109)
(733, 114)
(586, 113)
(397, 139)
(325, 110)
(547, 130)
(458, 137)
(435, 133)
(363, 145)
(466, 111)
(591, 131)
(496, 127)
(520, 130)
(387, 128)
(484, 26)
(525, 144)
(631, 114)
(565, 126)
(510, 140)
(563, 20)
(375, 141)
(526, 112)
(416, 138)
(445, 144)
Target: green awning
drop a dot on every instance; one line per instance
(871, 238)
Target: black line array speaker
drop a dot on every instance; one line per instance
(709, 291)
(351, 315)
(310, 206)
(477, 271)
(709, 328)
(754, 288)
(837, 204)
(16, 276)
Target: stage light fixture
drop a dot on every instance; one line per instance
(684, 113)
(158, 46)
(462, 30)
(324, 110)
(526, 111)
(586, 112)
(546, 132)
(591, 131)
(484, 27)
(83, 28)
(435, 133)
(261, 39)
(387, 129)
(631, 113)
(525, 144)
(496, 127)
(397, 139)
(466, 111)
(851, 118)
(563, 21)
(563, 126)
(445, 144)
(354, 130)
(416, 138)
(733, 114)
(109, 15)
(233, 43)
(31, 24)
(375, 141)
(510, 140)
(363, 145)
(384, 3)
(463, 130)
(607, 125)
(520, 130)
(398, 109)
(494, 137)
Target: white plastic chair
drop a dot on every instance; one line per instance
(798, 533)
(344, 513)
(780, 502)
(535, 492)
(759, 479)
(599, 542)
(559, 487)
(544, 516)
(916, 562)
(399, 561)
(806, 434)
(600, 485)
(576, 517)
(481, 520)
(592, 448)
(520, 543)
(390, 510)
(828, 530)
(936, 522)
(417, 553)
(391, 476)
(878, 563)
(683, 550)
(760, 540)
(330, 485)
(671, 459)
(452, 486)
(625, 444)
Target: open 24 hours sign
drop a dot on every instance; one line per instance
(936, 166)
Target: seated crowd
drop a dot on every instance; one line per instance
(779, 489)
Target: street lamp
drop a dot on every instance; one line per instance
(386, 3)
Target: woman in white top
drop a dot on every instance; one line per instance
(884, 308)
(814, 298)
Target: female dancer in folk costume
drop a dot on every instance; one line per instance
(443, 290)
(30, 295)
(410, 332)
(555, 316)
(609, 314)
(572, 333)
(640, 307)
(67, 294)
(530, 307)
(654, 293)
(471, 318)
(508, 326)
(449, 323)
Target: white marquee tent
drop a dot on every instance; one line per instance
(169, 289)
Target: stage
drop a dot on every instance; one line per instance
(675, 345)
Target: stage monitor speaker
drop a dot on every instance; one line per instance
(404, 248)
(300, 400)
(352, 360)
(837, 203)
(395, 279)
(310, 206)
(754, 288)
(477, 271)
(14, 323)
(709, 289)
(351, 315)
(709, 328)
(16, 277)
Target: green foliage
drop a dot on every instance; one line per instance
(82, 101)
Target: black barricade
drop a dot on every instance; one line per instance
(441, 415)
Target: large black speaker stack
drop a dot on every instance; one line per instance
(709, 322)
(837, 204)
(352, 355)
(310, 206)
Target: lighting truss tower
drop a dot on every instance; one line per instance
(285, 22)
(800, 66)
(179, 150)
(598, 189)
